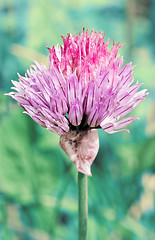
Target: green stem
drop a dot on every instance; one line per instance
(83, 205)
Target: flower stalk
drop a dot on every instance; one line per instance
(83, 206)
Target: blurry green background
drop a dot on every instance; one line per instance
(38, 182)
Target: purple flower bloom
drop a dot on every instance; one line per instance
(84, 88)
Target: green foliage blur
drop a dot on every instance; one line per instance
(38, 182)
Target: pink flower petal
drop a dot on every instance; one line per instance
(124, 122)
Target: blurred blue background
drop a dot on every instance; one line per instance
(38, 182)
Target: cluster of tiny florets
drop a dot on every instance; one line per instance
(84, 87)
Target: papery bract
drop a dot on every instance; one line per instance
(82, 148)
